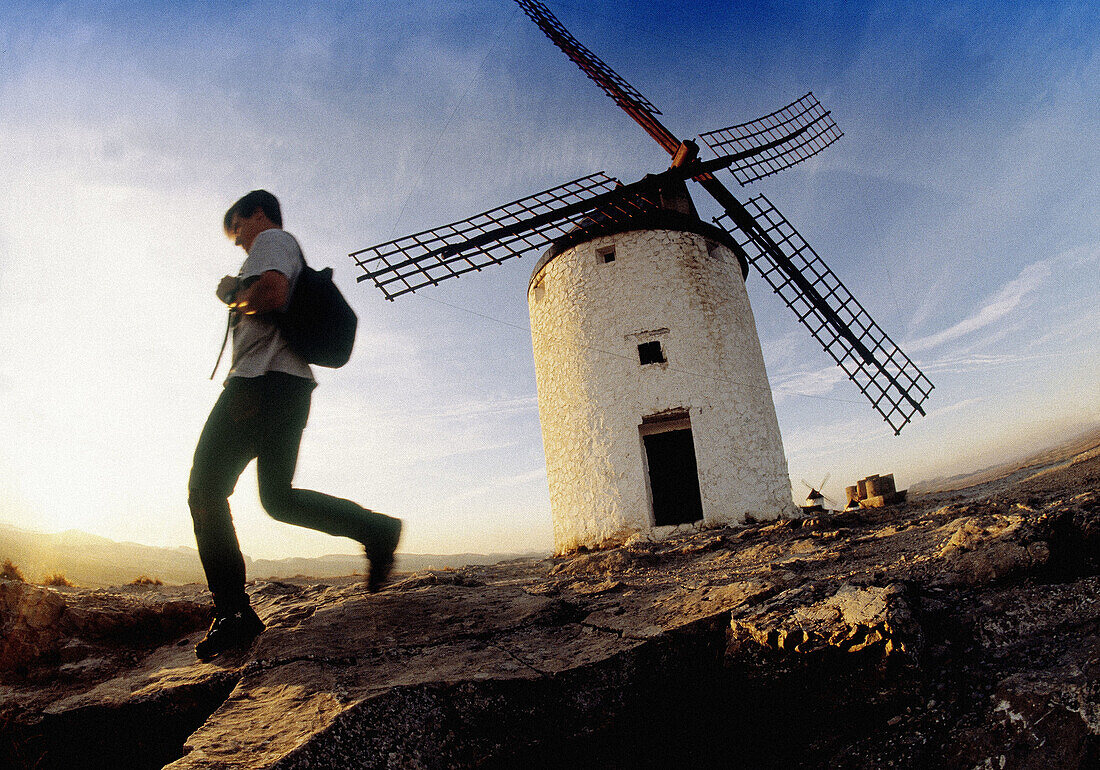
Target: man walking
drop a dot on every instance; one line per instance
(260, 415)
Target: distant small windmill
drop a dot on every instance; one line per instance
(634, 265)
(816, 499)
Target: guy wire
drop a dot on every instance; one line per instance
(446, 124)
(685, 372)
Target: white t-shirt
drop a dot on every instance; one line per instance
(258, 345)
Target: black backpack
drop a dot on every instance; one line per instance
(318, 323)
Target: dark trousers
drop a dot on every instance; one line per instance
(261, 418)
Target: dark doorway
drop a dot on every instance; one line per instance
(673, 477)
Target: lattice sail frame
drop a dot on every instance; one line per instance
(777, 141)
(406, 264)
(612, 84)
(893, 384)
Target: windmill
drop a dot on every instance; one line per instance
(687, 433)
(816, 499)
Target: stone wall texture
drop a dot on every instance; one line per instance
(588, 317)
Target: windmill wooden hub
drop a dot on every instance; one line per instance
(655, 407)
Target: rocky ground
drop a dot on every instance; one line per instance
(959, 630)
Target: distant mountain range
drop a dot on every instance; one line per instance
(97, 562)
(1083, 443)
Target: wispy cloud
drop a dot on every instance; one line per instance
(969, 362)
(958, 406)
(974, 362)
(1010, 297)
(807, 383)
(495, 486)
(475, 410)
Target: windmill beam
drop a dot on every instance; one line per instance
(685, 153)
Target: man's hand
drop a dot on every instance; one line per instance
(227, 287)
(268, 292)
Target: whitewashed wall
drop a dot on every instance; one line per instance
(587, 319)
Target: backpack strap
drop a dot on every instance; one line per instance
(225, 339)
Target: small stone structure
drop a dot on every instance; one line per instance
(874, 492)
(655, 406)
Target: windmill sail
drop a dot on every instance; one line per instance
(895, 386)
(607, 79)
(406, 264)
(777, 141)
(624, 94)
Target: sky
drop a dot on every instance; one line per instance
(960, 207)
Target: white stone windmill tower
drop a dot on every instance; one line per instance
(653, 399)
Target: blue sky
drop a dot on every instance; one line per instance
(960, 208)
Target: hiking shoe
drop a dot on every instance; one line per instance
(380, 553)
(228, 632)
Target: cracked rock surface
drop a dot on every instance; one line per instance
(956, 630)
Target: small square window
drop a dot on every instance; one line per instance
(651, 353)
(606, 254)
